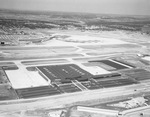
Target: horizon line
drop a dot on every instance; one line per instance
(23, 10)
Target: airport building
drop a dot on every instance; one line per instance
(64, 73)
(49, 80)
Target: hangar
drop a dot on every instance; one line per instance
(64, 73)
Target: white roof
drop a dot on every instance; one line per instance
(20, 79)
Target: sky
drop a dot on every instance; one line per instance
(129, 7)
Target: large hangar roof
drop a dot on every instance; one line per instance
(64, 73)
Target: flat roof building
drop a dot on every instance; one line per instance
(64, 73)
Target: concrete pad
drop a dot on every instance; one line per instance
(95, 70)
(20, 79)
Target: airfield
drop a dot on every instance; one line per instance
(74, 71)
(74, 64)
